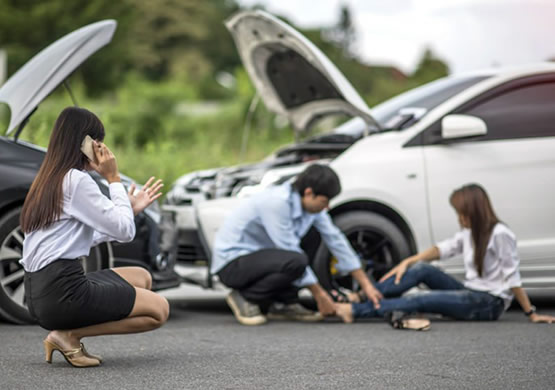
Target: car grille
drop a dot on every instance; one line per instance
(190, 253)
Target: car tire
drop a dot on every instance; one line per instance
(13, 307)
(379, 243)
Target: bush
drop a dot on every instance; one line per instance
(161, 129)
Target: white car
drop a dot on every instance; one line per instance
(495, 128)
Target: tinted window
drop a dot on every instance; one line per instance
(524, 112)
(426, 97)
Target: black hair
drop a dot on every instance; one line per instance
(322, 179)
(43, 203)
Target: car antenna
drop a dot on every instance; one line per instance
(66, 85)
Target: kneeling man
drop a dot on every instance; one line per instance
(257, 251)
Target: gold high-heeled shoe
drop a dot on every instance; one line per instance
(76, 357)
(86, 353)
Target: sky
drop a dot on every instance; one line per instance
(466, 34)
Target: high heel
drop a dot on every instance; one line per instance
(86, 353)
(76, 357)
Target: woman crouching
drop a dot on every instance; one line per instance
(64, 215)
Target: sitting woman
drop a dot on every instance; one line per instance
(64, 215)
(492, 276)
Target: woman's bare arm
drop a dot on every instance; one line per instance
(524, 302)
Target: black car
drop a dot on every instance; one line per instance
(154, 245)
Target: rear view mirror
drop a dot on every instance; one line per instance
(462, 126)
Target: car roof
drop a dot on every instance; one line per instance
(516, 70)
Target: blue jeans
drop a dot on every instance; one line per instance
(448, 297)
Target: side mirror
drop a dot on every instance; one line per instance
(462, 126)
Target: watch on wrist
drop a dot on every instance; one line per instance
(530, 312)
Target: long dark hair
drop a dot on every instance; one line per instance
(43, 204)
(472, 202)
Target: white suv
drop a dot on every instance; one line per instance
(495, 128)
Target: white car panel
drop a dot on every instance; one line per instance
(258, 35)
(27, 88)
(515, 174)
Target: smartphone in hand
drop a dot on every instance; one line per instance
(87, 148)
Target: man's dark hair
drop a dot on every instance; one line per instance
(322, 179)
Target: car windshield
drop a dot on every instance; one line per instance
(421, 99)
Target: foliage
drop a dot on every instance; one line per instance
(161, 39)
(155, 85)
(159, 128)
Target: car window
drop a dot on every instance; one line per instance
(521, 108)
(519, 113)
(425, 97)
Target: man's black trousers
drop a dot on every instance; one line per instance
(265, 276)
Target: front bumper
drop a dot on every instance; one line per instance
(189, 247)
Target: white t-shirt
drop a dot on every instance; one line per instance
(87, 219)
(500, 268)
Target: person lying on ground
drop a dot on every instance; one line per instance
(492, 277)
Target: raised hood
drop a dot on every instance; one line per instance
(293, 77)
(26, 89)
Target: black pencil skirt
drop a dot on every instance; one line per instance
(61, 296)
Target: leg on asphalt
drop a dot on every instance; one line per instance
(461, 304)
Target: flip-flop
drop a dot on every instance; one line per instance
(402, 320)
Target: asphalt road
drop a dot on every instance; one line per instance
(202, 347)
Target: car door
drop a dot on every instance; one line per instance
(514, 162)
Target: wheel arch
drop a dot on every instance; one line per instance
(381, 209)
(7, 207)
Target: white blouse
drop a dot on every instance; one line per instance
(87, 219)
(500, 269)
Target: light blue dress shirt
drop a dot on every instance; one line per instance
(275, 219)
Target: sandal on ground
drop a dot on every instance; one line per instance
(86, 353)
(76, 357)
(402, 320)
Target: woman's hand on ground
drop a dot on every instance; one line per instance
(399, 270)
(106, 164)
(146, 195)
(535, 317)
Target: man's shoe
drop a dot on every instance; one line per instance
(292, 312)
(246, 313)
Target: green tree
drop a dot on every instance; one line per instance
(159, 38)
(343, 34)
(27, 26)
(429, 68)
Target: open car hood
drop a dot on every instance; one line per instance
(26, 89)
(293, 77)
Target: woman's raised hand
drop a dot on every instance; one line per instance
(106, 164)
(146, 195)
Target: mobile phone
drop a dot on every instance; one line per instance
(87, 148)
